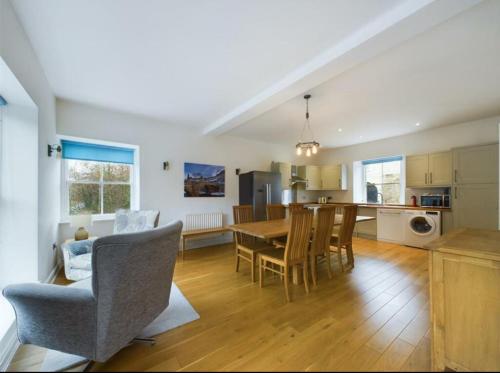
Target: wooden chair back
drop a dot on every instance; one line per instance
(297, 243)
(325, 221)
(243, 214)
(349, 213)
(293, 207)
(274, 212)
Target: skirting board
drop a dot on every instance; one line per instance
(8, 347)
(9, 343)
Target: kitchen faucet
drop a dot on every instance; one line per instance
(381, 198)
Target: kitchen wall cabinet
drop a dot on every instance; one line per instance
(426, 170)
(330, 177)
(285, 169)
(475, 165)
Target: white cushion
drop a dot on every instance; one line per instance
(83, 261)
(127, 221)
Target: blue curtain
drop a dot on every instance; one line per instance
(95, 152)
(383, 160)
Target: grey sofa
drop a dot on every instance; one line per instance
(95, 318)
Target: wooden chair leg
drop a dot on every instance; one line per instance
(262, 263)
(237, 261)
(339, 254)
(329, 264)
(287, 280)
(306, 276)
(252, 270)
(314, 269)
(350, 256)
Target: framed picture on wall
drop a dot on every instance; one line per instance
(204, 180)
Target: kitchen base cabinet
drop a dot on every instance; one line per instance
(465, 300)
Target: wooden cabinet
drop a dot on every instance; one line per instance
(331, 177)
(285, 169)
(475, 206)
(465, 300)
(417, 167)
(476, 165)
(425, 170)
(475, 187)
(440, 169)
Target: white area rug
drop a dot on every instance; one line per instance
(178, 312)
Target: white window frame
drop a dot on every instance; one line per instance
(134, 180)
(359, 181)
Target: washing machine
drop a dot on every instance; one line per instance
(421, 227)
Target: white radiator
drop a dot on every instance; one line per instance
(203, 221)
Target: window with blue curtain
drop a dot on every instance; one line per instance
(98, 178)
(96, 152)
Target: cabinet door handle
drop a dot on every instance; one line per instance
(430, 182)
(456, 197)
(455, 176)
(426, 178)
(340, 183)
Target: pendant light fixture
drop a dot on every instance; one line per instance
(307, 145)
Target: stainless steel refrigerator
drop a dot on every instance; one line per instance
(259, 188)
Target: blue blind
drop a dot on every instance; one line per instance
(383, 160)
(95, 152)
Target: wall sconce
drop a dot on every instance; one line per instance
(53, 148)
(166, 165)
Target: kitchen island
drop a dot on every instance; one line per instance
(464, 270)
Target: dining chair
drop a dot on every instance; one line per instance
(320, 245)
(275, 211)
(295, 252)
(246, 246)
(343, 239)
(292, 207)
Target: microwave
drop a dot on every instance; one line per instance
(435, 200)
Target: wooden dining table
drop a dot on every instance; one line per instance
(270, 229)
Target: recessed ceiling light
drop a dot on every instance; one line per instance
(340, 130)
(360, 136)
(417, 124)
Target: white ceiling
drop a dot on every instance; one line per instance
(186, 61)
(449, 74)
(240, 67)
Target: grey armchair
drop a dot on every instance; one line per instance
(95, 318)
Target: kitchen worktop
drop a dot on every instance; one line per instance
(377, 206)
(479, 242)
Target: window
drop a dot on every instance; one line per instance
(382, 180)
(97, 179)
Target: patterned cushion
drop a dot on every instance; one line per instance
(81, 262)
(127, 221)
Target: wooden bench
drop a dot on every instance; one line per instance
(195, 233)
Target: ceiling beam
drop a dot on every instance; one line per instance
(401, 23)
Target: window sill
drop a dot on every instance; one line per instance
(95, 218)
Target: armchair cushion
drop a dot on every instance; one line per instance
(80, 247)
(129, 221)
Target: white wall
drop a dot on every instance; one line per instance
(433, 140)
(16, 51)
(160, 142)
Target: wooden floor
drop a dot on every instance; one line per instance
(374, 318)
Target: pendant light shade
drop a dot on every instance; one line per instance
(307, 144)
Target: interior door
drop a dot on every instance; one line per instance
(440, 169)
(417, 167)
(476, 164)
(475, 206)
